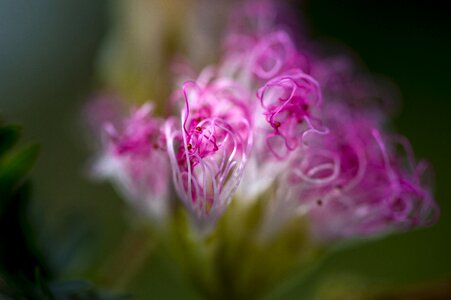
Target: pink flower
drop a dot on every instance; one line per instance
(271, 115)
(209, 149)
(350, 182)
(135, 159)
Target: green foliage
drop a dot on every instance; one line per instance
(14, 163)
(19, 257)
(24, 273)
(9, 135)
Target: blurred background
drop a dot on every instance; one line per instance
(48, 68)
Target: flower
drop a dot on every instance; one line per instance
(134, 157)
(209, 149)
(298, 140)
(351, 183)
(277, 117)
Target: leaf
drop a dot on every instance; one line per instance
(24, 274)
(13, 167)
(9, 135)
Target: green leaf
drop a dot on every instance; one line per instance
(13, 167)
(9, 135)
(24, 273)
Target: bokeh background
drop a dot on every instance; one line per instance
(48, 51)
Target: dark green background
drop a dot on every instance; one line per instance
(47, 59)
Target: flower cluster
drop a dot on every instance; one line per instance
(271, 115)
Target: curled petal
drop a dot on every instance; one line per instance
(273, 54)
(209, 149)
(289, 103)
(207, 168)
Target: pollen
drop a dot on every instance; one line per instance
(198, 128)
(189, 146)
(277, 124)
